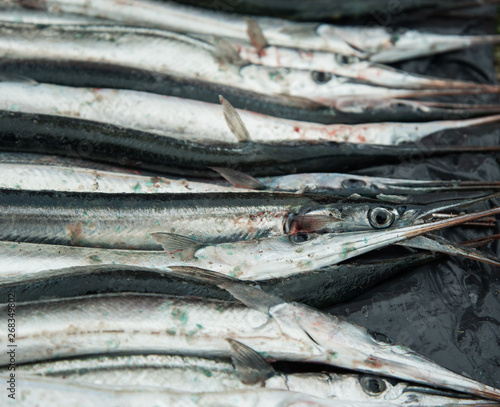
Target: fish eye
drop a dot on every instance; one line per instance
(373, 386)
(353, 183)
(345, 59)
(299, 238)
(321, 77)
(380, 218)
(381, 338)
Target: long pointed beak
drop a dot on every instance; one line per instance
(437, 208)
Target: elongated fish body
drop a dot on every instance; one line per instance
(158, 324)
(34, 133)
(199, 121)
(342, 65)
(264, 259)
(198, 375)
(376, 43)
(128, 220)
(190, 58)
(98, 75)
(348, 184)
(70, 178)
(43, 392)
(319, 288)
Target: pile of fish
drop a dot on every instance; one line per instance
(186, 186)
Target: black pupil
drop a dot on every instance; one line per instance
(353, 183)
(321, 77)
(374, 386)
(300, 238)
(381, 218)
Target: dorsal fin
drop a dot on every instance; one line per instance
(240, 179)
(183, 246)
(256, 36)
(225, 52)
(250, 366)
(234, 121)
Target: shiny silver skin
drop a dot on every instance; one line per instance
(198, 375)
(129, 323)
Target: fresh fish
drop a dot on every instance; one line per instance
(26, 39)
(264, 259)
(197, 375)
(97, 75)
(137, 221)
(194, 59)
(71, 137)
(325, 63)
(200, 121)
(372, 42)
(34, 390)
(25, 16)
(319, 288)
(58, 177)
(144, 324)
(347, 184)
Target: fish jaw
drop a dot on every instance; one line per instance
(354, 347)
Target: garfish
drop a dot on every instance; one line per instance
(372, 42)
(193, 59)
(262, 259)
(25, 40)
(34, 390)
(137, 221)
(250, 371)
(319, 288)
(98, 75)
(201, 121)
(131, 323)
(391, 189)
(72, 137)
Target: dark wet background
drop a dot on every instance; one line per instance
(448, 310)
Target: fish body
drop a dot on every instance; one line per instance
(200, 121)
(190, 58)
(198, 375)
(141, 324)
(373, 42)
(71, 137)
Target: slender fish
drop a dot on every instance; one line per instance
(71, 137)
(194, 59)
(198, 375)
(376, 43)
(200, 121)
(159, 324)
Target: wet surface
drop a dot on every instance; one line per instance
(448, 310)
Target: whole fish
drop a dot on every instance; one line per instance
(34, 390)
(71, 137)
(191, 58)
(32, 41)
(97, 75)
(200, 121)
(159, 324)
(263, 259)
(390, 189)
(374, 42)
(198, 375)
(139, 221)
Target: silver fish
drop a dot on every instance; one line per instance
(371, 42)
(186, 57)
(195, 120)
(198, 375)
(160, 324)
(264, 259)
(45, 392)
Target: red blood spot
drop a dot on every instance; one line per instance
(296, 129)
